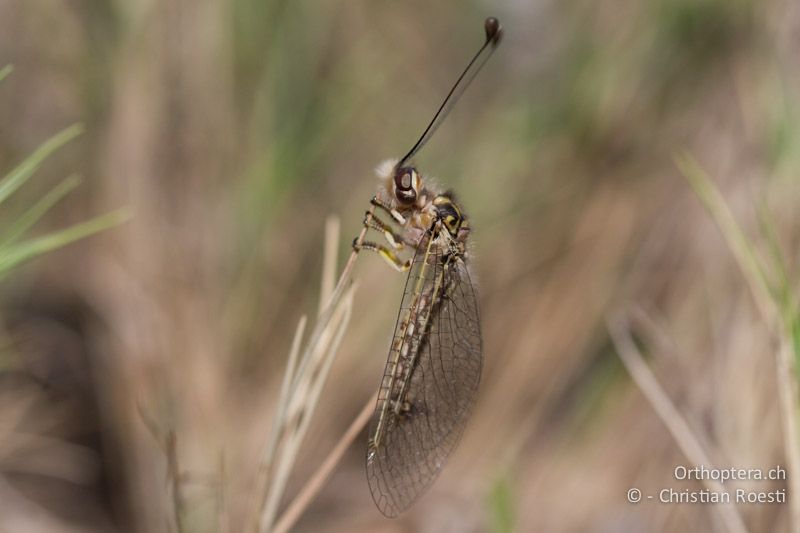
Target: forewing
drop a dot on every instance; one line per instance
(430, 381)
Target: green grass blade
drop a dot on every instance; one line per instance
(739, 244)
(778, 295)
(29, 249)
(794, 330)
(501, 506)
(784, 291)
(17, 177)
(783, 287)
(5, 71)
(37, 211)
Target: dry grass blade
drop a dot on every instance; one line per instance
(678, 427)
(302, 402)
(313, 486)
(304, 379)
(222, 506)
(174, 475)
(280, 415)
(329, 262)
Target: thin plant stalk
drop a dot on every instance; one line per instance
(174, 475)
(284, 395)
(273, 439)
(305, 380)
(317, 481)
(680, 430)
(302, 403)
(329, 262)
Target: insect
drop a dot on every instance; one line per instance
(434, 365)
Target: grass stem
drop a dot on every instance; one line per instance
(317, 481)
(680, 430)
(305, 380)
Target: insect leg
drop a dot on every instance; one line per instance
(388, 255)
(394, 213)
(395, 240)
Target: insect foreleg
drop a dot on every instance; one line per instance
(394, 213)
(396, 240)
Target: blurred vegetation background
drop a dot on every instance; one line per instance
(232, 129)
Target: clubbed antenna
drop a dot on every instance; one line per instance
(494, 32)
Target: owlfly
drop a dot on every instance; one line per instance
(431, 376)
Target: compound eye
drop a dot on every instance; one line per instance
(405, 185)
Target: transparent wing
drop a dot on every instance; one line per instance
(429, 383)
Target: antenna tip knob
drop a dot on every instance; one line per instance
(493, 30)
